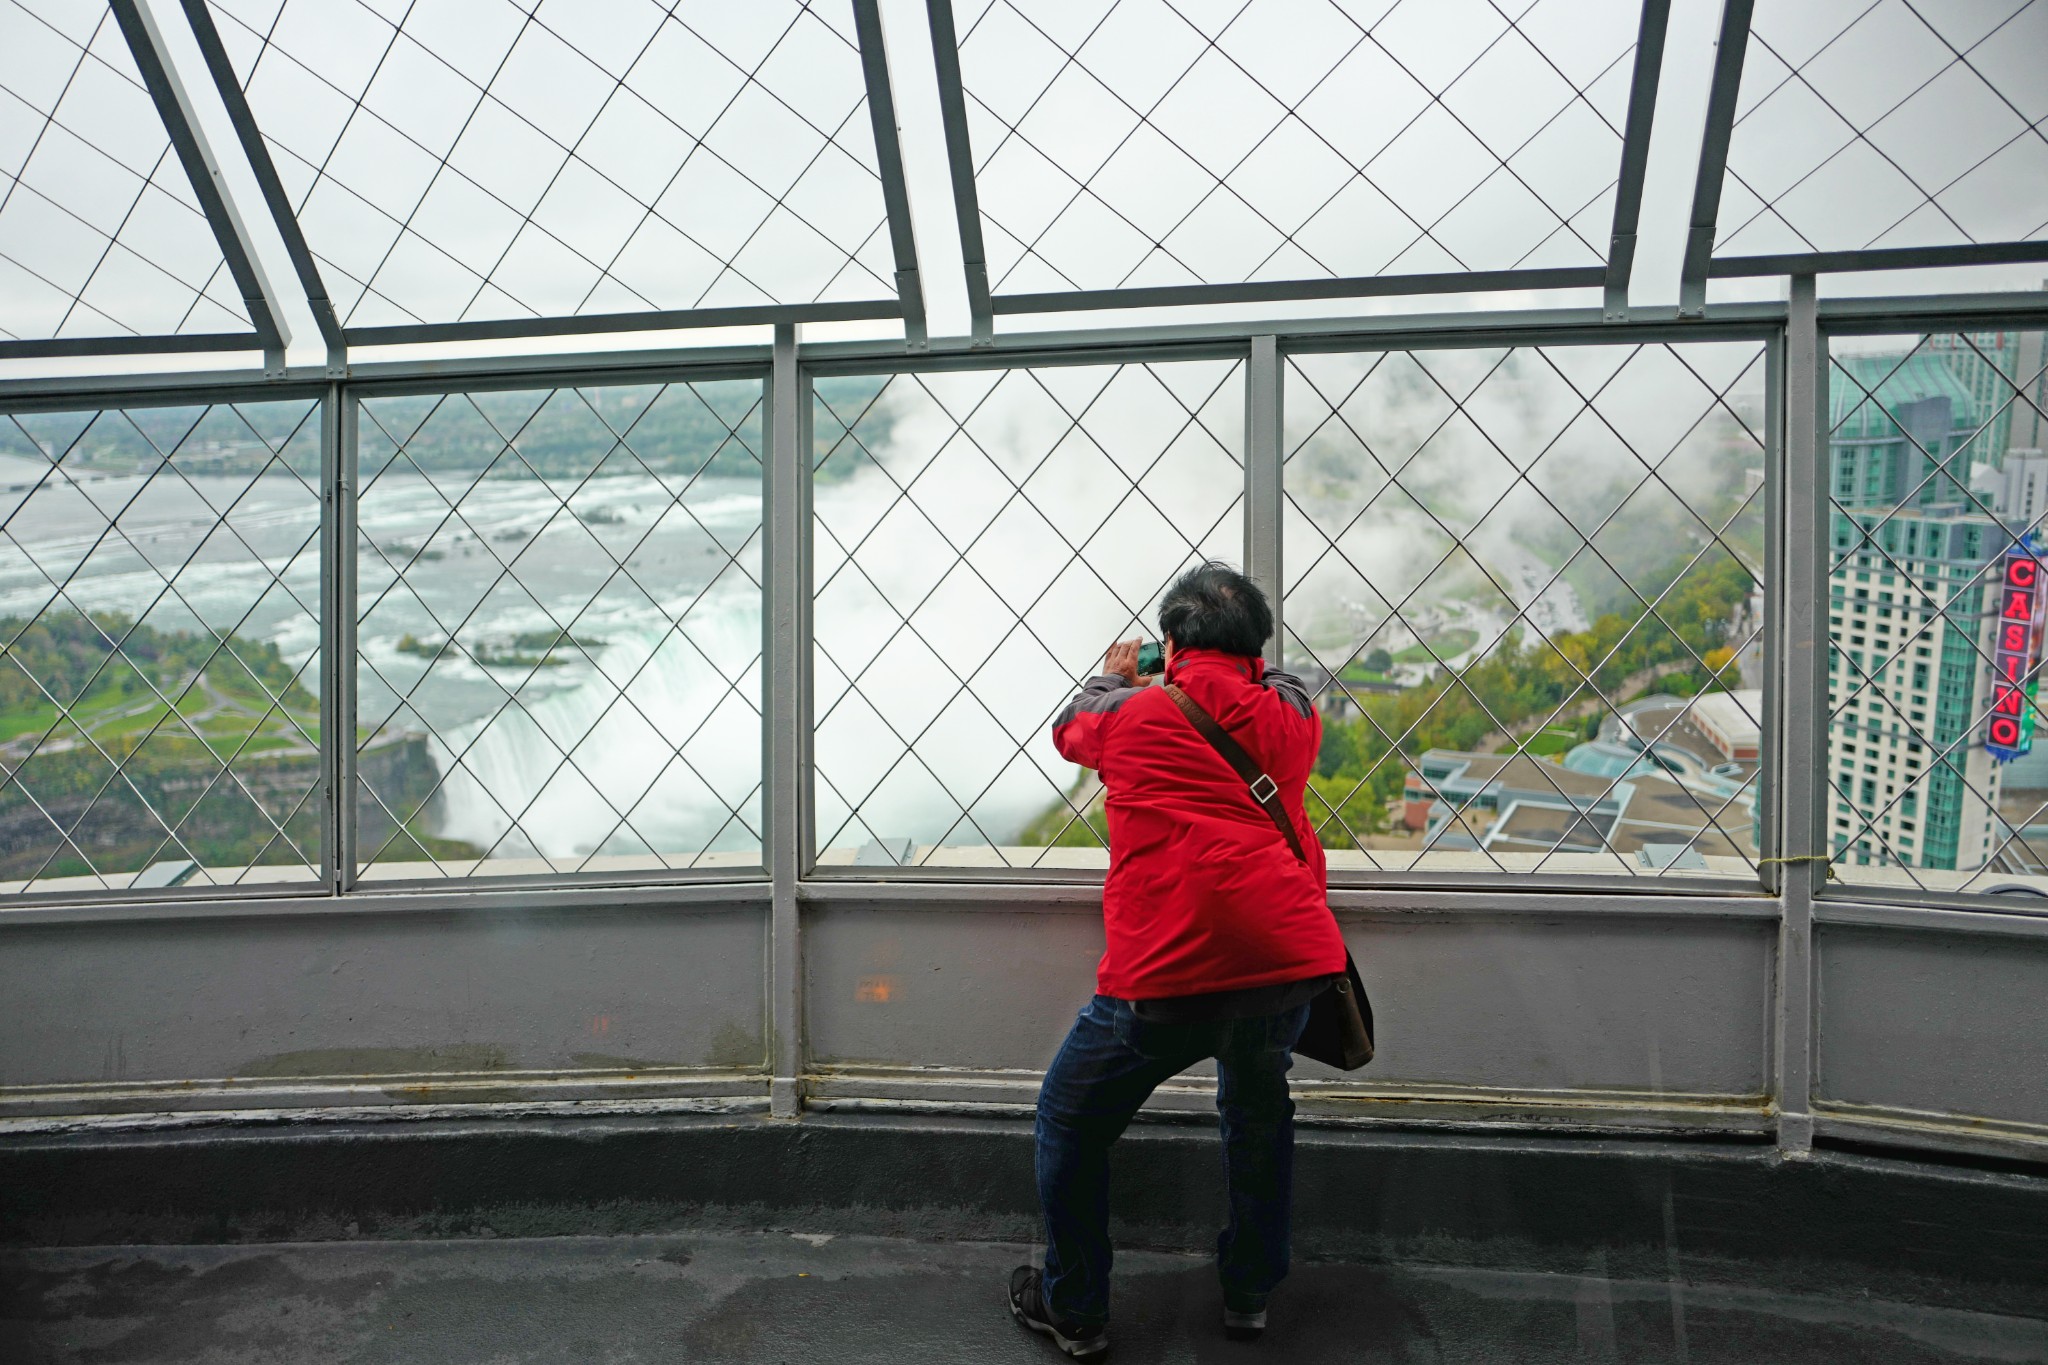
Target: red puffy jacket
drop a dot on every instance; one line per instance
(1203, 893)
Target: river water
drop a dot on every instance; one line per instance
(644, 734)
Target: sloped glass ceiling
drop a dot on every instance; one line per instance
(483, 160)
(1128, 143)
(453, 160)
(99, 232)
(1894, 124)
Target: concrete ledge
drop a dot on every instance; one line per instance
(1579, 1113)
(1913, 1231)
(325, 1097)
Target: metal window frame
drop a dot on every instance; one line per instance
(1264, 350)
(594, 371)
(1585, 333)
(338, 874)
(1246, 342)
(338, 427)
(864, 362)
(1939, 314)
(183, 393)
(1801, 659)
(786, 727)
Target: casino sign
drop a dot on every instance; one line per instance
(2009, 733)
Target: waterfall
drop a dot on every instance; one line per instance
(651, 691)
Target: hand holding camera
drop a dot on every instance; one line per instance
(1137, 662)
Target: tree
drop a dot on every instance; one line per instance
(1337, 750)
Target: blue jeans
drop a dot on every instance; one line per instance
(1112, 1060)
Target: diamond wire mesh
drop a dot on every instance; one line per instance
(99, 232)
(1925, 494)
(1512, 575)
(560, 631)
(159, 593)
(1896, 123)
(979, 539)
(1136, 142)
(513, 159)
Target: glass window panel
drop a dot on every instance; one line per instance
(1888, 125)
(980, 538)
(1525, 586)
(99, 232)
(501, 160)
(559, 648)
(159, 647)
(1155, 143)
(1937, 784)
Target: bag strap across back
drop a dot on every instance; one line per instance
(1262, 787)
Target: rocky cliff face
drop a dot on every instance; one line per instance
(77, 810)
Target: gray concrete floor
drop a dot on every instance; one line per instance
(783, 1297)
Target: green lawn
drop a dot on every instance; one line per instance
(1448, 645)
(121, 707)
(116, 689)
(27, 720)
(1555, 739)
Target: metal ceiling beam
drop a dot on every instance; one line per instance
(1275, 291)
(960, 159)
(53, 347)
(653, 320)
(1876, 315)
(1706, 191)
(874, 61)
(1880, 258)
(274, 197)
(180, 121)
(1106, 345)
(1635, 155)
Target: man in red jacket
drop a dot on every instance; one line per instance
(1218, 938)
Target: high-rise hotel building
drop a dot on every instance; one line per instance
(2006, 373)
(1908, 618)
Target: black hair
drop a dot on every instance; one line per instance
(1213, 606)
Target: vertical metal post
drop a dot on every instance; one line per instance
(786, 538)
(1771, 767)
(1732, 45)
(338, 635)
(1803, 702)
(1264, 490)
(180, 121)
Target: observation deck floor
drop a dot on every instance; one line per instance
(782, 1296)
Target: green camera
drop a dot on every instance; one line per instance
(1151, 658)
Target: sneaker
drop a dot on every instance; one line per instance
(1027, 1305)
(1244, 1316)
